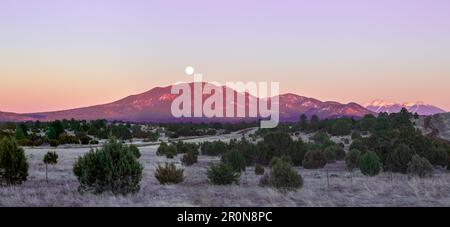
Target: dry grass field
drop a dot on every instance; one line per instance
(340, 189)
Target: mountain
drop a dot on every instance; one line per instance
(292, 106)
(420, 108)
(155, 106)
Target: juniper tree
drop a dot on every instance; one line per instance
(13, 162)
(51, 158)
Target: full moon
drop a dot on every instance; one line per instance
(189, 70)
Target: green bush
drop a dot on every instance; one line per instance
(235, 159)
(358, 145)
(397, 160)
(438, 156)
(13, 162)
(259, 169)
(297, 151)
(283, 158)
(20, 134)
(94, 142)
(369, 164)
(190, 158)
(320, 138)
(283, 176)
(65, 138)
(38, 142)
(314, 159)
(114, 168)
(352, 159)
(135, 151)
(53, 143)
(214, 148)
(169, 151)
(169, 174)
(223, 174)
(25, 142)
(330, 153)
(84, 139)
(186, 147)
(420, 167)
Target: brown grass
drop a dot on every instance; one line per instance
(344, 189)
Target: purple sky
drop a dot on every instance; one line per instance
(61, 54)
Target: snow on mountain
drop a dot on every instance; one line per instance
(419, 107)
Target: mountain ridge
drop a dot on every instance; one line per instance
(418, 107)
(154, 106)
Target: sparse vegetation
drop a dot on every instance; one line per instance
(386, 142)
(169, 174)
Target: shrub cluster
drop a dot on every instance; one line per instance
(169, 174)
(114, 168)
(398, 159)
(330, 154)
(214, 148)
(223, 174)
(314, 159)
(170, 151)
(419, 166)
(190, 158)
(282, 176)
(352, 159)
(369, 164)
(235, 159)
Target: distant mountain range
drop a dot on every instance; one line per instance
(155, 106)
(420, 108)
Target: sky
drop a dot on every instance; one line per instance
(59, 54)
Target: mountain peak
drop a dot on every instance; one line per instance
(380, 102)
(418, 107)
(155, 106)
(409, 104)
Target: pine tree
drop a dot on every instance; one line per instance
(303, 124)
(20, 135)
(13, 163)
(51, 133)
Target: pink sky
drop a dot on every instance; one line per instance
(64, 54)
